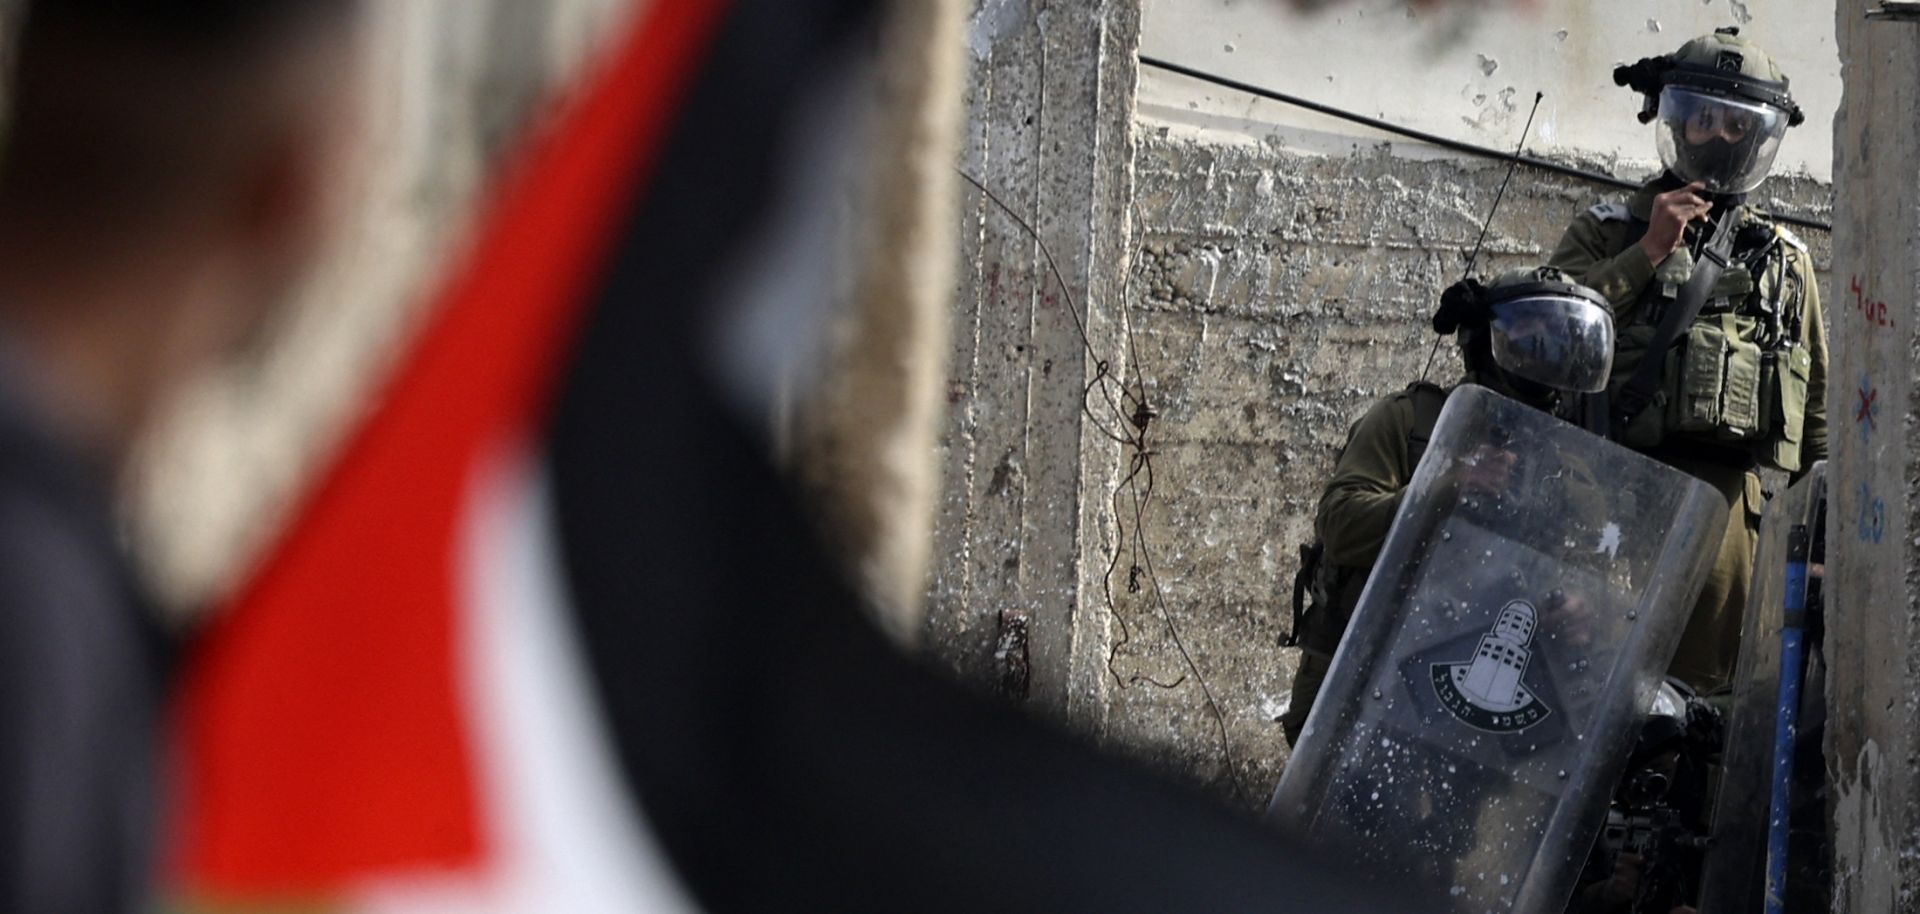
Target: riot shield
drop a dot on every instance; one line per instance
(1733, 879)
(1501, 659)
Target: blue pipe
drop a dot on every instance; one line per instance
(1792, 660)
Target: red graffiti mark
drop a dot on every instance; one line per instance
(1867, 409)
(1874, 311)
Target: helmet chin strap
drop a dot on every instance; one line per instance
(1721, 201)
(1532, 393)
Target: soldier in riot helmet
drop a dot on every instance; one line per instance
(1724, 299)
(1533, 335)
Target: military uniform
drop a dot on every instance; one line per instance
(1531, 335)
(1708, 419)
(1355, 512)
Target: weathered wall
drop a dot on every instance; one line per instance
(1263, 293)
(1049, 113)
(868, 432)
(1274, 297)
(1874, 559)
(1468, 70)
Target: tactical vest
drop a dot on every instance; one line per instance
(1737, 378)
(1324, 595)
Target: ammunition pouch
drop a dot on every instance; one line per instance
(1728, 380)
(1790, 372)
(1719, 382)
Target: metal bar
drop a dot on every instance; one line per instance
(1792, 659)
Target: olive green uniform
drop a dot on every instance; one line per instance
(1355, 513)
(1600, 250)
(1356, 510)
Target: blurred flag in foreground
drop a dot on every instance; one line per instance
(549, 635)
(395, 709)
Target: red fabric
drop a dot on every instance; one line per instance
(320, 727)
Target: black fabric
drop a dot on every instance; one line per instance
(787, 757)
(1428, 400)
(1320, 624)
(81, 663)
(206, 23)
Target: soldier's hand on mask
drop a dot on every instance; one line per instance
(1488, 470)
(1667, 224)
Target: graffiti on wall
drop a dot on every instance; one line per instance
(1866, 415)
(1875, 311)
(1872, 524)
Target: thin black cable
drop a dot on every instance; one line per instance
(1501, 194)
(1101, 368)
(1486, 225)
(1136, 428)
(1570, 171)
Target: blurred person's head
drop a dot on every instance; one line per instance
(164, 176)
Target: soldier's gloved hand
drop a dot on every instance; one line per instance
(1667, 224)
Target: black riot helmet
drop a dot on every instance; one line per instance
(1720, 107)
(1537, 330)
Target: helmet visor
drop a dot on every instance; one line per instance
(1561, 341)
(1724, 142)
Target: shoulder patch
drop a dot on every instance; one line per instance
(1610, 212)
(1790, 238)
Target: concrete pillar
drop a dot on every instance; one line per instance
(1020, 546)
(1873, 738)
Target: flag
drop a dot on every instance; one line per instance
(550, 635)
(391, 710)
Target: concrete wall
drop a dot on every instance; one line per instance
(1272, 276)
(1274, 297)
(1049, 109)
(1873, 563)
(1468, 71)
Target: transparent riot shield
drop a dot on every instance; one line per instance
(1501, 659)
(1733, 878)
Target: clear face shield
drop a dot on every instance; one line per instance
(1561, 341)
(1724, 142)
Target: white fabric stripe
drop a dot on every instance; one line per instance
(564, 834)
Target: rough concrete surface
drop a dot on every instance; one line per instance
(1049, 99)
(1874, 560)
(1272, 296)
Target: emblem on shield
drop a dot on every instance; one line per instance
(1485, 691)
